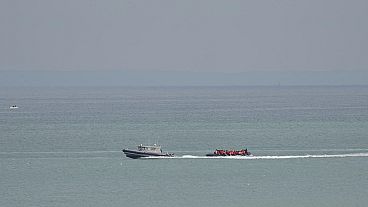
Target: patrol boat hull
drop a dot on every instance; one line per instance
(146, 151)
(135, 154)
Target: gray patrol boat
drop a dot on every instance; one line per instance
(146, 151)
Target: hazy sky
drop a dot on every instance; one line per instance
(233, 36)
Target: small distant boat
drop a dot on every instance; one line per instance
(14, 107)
(146, 151)
(217, 152)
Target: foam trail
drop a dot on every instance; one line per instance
(266, 157)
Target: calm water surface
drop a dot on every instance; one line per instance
(62, 147)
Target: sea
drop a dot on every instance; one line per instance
(62, 146)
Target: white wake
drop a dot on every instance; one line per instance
(266, 157)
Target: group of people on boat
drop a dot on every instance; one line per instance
(13, 107)
(242, 152)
